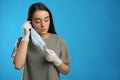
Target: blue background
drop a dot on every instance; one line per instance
(91, 29)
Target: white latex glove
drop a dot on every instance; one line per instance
(26, 27)
(52, 57)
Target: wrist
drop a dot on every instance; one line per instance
(25, 38)
(57, 62)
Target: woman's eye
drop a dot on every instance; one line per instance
(37, 21)
(46, 20)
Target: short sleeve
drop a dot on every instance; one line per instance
(64, 55)
(16, 46)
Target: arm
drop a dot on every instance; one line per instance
(20, 57)
(63, 68)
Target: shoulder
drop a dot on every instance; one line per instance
(18, 40)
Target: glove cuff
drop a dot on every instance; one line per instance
(25, 38)
(57, 62)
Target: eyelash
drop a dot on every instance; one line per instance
(40, 22)
(46, 20)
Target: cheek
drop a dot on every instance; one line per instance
(35, 25)
(48, 24)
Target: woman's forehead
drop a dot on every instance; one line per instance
(41, 14)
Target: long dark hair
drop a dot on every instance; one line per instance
(40, 6)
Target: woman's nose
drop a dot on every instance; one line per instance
(43, 24)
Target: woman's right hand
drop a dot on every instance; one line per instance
(26, 27)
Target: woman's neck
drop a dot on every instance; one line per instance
(45, 36)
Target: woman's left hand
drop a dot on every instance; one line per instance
(52, 57)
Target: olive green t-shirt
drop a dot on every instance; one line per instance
(36, 67)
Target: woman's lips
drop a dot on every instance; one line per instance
(43, 30)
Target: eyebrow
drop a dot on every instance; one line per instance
(40, 18)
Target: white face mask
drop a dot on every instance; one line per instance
(37, 40)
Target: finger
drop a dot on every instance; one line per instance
(28, 21)
(47, 55)
(51, 51)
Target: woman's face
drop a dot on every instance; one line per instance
(41, 21)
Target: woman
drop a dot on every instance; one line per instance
(39, 65)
